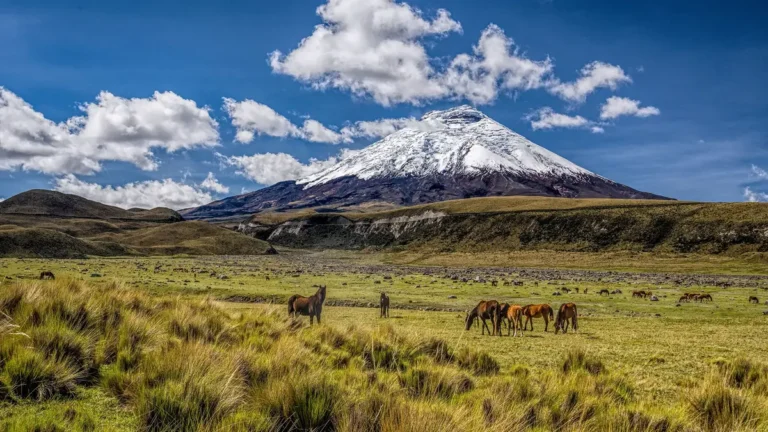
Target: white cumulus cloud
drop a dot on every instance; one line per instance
(212, 184)
(371, 48)
(547, 118)
(753, 196)
(110, 129)
(146, 194)
(619, 106)
(251, 118)
(270, 168)
(496, 64)
(593, 76)
(378, 49)
(759, 172)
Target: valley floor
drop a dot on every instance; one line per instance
(663, 349)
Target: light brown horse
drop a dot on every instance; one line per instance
(312, 305)
(753, 299)
(567, 311)
(384, 305)
(536, 311)
(484, 310)
(513, 315)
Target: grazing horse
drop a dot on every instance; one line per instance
(384, 305)
(705, 297)
(312, 305)
(604, 291)
(536, 311)
(753, 299)
(684, 298)
(638, 294)
(567, 311)
(484, 310)
(513, 315)
(47, 275)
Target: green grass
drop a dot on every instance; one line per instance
(143, 337)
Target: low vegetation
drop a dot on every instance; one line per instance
(173, 363)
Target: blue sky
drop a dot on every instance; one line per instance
(699, 67)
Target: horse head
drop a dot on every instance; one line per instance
(321, 293)
(468, 321)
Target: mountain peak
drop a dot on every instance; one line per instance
(457, 141)
(460, 114)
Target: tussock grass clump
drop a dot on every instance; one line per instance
(579, 360)
(718, 408)
(478, 362)
(441, 382)
(742, 373)
(29, 375)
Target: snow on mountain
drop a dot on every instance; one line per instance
(460, 140)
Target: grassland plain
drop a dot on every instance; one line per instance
(662, 350)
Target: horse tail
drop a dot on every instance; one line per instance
(552, 313)
(575, 318)
(559, 314)
(290, 304)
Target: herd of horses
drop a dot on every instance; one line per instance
(687, 297)
(514, 315)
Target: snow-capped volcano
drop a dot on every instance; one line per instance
(452, 154)
(458, 141)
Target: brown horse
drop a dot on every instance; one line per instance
(567, 311)
(47, 275)
(705, 297)
(312, 305)
(536, 311)
(484, 310)
(513, 315)
(753, 299)
(604, 291)
(384, 305)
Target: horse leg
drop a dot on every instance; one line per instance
(485, 326)
(311, 318)
(546, 323)
(318, 318)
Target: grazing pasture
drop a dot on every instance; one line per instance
(633, 364)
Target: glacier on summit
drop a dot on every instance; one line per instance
(460, 140)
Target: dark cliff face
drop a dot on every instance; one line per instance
(405, 191)
(677, 228)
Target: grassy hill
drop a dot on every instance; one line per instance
(50, 224)
(194, 238)
(57, 204)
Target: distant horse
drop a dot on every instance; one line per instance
(384, 305)
(312, 305)
(604, 291)
(537, 311)
(567, 311)
(484, 310)
(753, 299)
(684, 298)
(47, 275)
(705, 297)
(513, 315)
(640, 294)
